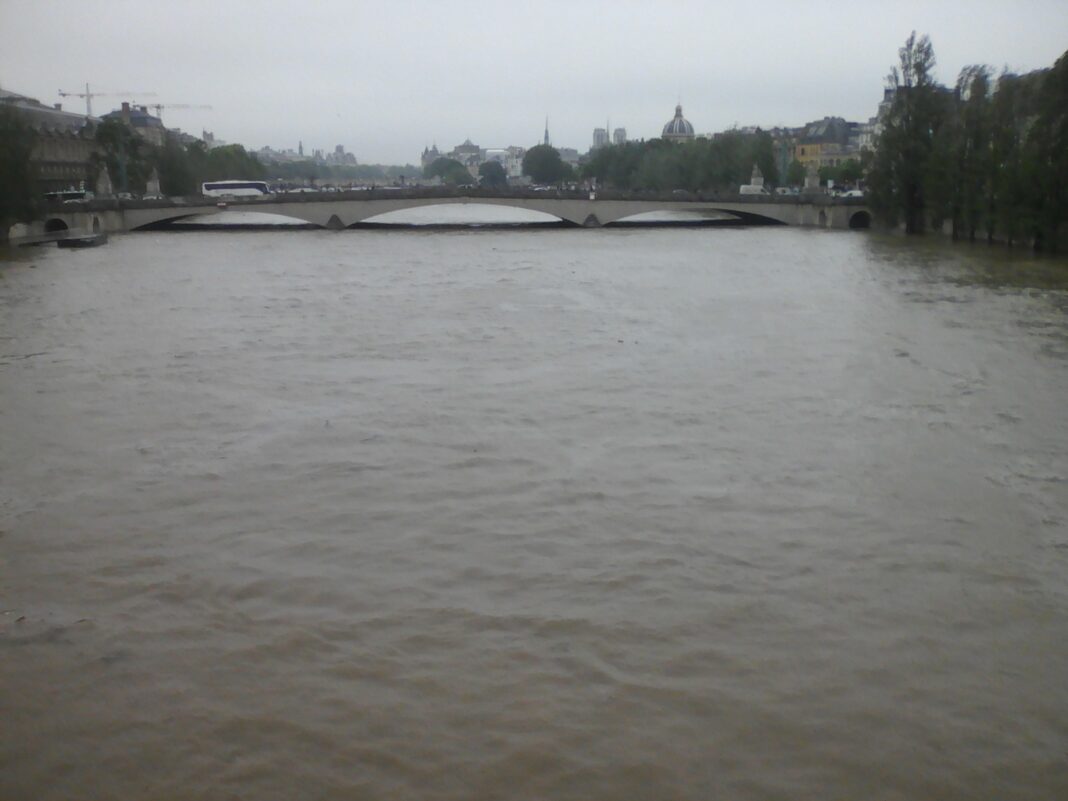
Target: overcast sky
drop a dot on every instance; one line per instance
(385, 79)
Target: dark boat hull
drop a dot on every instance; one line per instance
(90, 241)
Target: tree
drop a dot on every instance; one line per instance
(231, 162)
(19, 200)
(124, 154)
(667, 166)
(762, 153)
(850, 171)
(176, 169)
(544, 165)
(492, 174)
(615, 165)
(1048, 148)
(974, 160)
(795, 173)
(449, 170)
(897, 181)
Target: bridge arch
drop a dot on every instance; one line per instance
(471, 211)
(198, 220)
(860, 220)
(163, 222)
(55, 225)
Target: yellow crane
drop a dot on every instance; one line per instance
(90, 95)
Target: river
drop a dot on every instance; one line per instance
(753, 513)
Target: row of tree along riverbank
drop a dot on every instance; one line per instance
(987, 157)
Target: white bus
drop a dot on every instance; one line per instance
(235, 189)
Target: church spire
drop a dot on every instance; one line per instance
(546, 130)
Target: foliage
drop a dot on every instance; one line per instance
(1048, 156)
(126, 156)
(848, 172)
(18, 191)
(544, 165)
(795, 173)
(616, 165)
(492, 174)
(723, 163)
(449, 170)
(177, 175)
(229, 162)
(898, 183)
(988, 157)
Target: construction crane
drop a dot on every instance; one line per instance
(90, 95)
(160, 106)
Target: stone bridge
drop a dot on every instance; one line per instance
(339, 210)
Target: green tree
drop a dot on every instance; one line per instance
(615, 166)
(492, 174)
(666, 166)
(544, 165)
(795, 173)
(230, 162)
(176, 169)
(19, 200)
(974, 160)
(1011, 117)
(722, 166)
(829, 173)
(449, 170)
(850, 172)
(762, 153)
(125, 155)
(1048, 146)
(899, 173)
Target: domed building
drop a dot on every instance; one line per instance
(678, 129)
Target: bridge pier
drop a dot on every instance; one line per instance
(591, 221)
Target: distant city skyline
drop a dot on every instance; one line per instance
(387, 81)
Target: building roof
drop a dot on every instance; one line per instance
(137, 116)
(678, 127)
(42, 117)
(827, 131)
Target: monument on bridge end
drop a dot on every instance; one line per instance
(812, 180)
(103, 186)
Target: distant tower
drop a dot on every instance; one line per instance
(546, 142)
(619, 136)
(300, 147)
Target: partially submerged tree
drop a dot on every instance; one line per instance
(898, 182)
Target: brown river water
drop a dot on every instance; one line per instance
(533, 514)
